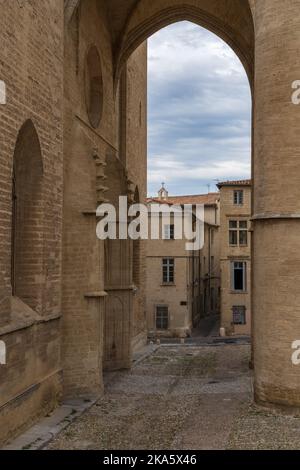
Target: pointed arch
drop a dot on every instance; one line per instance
(232, 21)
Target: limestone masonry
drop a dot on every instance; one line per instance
(73, 134)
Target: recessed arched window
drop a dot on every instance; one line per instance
(27, 218)
(94, 86)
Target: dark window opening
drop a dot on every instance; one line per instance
(238, 232)
(239, 276)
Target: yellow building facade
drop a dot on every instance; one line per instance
(235, 256)
(182, 287)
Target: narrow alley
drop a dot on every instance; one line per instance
(182, 397)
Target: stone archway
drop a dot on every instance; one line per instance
(231, 20)
(249, 28)
(263, 33)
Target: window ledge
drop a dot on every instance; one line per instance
(168, 284)
(95, 295)
(238, 246)
(239, 292)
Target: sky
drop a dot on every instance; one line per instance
(199, 111)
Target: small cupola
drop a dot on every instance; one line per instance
(163, 193)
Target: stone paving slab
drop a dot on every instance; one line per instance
(39, 435)
(175, 397)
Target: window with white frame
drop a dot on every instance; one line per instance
(162, 317)
(168, 265)
(238, 232)
(239, 315)
(169, 233)
(238, 197)
(239, 276)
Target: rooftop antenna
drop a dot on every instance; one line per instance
(208, 188)
(217, 181)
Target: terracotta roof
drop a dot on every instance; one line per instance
(206, 199)
(235, 183)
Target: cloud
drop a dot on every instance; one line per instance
(199, 111)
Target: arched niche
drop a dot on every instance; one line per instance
(27, 218)
(94, 86)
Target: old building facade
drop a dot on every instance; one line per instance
(69, 142)
(75, 125)
(235, 256)
(182, 286)
(172, 284)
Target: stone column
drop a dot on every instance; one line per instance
(276, 264)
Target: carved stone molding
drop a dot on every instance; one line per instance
(101, 178)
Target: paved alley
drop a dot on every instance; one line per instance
(181, 397)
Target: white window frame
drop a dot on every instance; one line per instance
(238, 229)
(169, 264)
(238, 197)
(169, 232)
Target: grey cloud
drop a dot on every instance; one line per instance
(199, 111)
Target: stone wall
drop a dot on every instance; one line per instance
(60, 124)
(31, 64)
(87, 142)
(136, 158)
(101, 155)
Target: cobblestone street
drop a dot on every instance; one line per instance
(182, 398)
